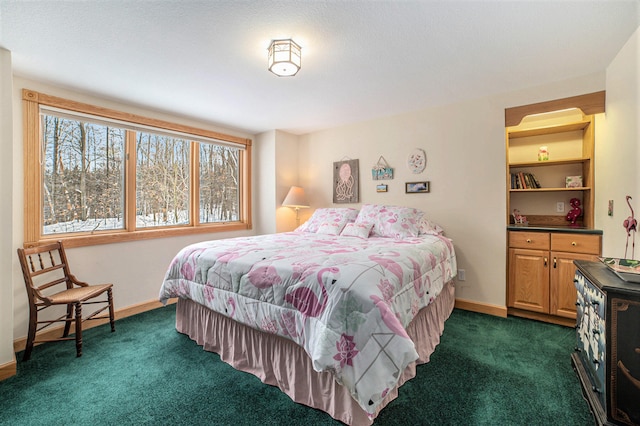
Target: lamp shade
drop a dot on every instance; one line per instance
(296, 198)
(284, 58)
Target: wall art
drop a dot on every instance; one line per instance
(416, 187)
(417, 160)
(345, 181)
(381, 170)
(381, 188)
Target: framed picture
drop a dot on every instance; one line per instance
(381, 170)
(345, 181)
(383, 173)
(381, 188)
(416, 187)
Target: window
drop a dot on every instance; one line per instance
(162, 180)
(94, 175)
(83, 176)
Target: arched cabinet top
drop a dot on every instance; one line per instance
(591, 103)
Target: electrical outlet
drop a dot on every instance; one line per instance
(461, 275)
(560, 207)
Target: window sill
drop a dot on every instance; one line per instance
(98, 238)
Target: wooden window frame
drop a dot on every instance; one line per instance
(33, 212)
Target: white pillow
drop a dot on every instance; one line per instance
(360, 230)
(330, 228)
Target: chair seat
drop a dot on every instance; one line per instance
(78, 294)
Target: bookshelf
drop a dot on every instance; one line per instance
(569, 138)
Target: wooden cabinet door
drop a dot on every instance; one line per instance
(562, 289)
(529, 280)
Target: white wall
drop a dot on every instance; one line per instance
(276, 158)
(7, 250)
(264, 160)
(465, 149)
(287, 172)
(617, 151)
(135, 268)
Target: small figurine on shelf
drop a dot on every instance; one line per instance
(543, 154)
(575, 212)
(519, 219)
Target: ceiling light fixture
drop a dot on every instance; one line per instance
(284, 57)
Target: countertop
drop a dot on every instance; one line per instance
(567, 229)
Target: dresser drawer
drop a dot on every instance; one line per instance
(576, 243)
(529, 240)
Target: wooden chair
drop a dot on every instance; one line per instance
(50, 283)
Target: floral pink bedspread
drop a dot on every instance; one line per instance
(345, 300)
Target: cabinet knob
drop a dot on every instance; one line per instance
(528, 240)
(573, 243)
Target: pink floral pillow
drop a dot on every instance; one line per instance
(360, 230)
(426, 227)
(338, 215)
(391, 221)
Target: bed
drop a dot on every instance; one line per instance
(337, 313)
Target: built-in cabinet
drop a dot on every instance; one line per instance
(550, 163)
(542, 156)
(607, 352)
(541, 272)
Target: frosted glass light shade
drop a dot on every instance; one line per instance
(284, 57)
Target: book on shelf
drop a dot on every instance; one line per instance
(524, 180)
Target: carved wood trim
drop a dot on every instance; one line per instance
(591, 103)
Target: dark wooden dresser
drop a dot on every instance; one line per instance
(607, 353)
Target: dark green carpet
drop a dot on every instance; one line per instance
(486, 371)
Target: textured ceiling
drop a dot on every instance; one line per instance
(360, 59)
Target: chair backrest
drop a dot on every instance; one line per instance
(45, 270)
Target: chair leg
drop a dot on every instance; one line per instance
(78, 329)
(111, 314)
(67, 324)
(31, 336)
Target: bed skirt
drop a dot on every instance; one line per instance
(281, 362)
